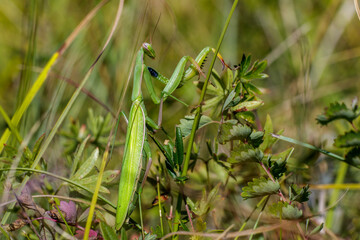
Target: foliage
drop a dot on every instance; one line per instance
(234, 172)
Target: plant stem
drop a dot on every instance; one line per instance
(197, 118)
(335, 195)
(159, 199)
(272, 179)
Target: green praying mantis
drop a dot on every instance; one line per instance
(137, 148)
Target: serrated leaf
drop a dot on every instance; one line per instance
(241, 155)
(87, 166)
(278, 163)
(290, 212)
(337, 111)
(349, 139)
(260, 187)
(299, 194)
(240, 132)
(224, 133)
(285, 210)
(277, 168)
(107, 232)
(353, 157)
(187, 123)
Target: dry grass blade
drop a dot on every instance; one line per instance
(232, 234)
(357, 8)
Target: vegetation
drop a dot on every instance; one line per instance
(268, 148)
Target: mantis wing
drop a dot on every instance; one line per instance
(132, 161)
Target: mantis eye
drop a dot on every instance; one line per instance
(149, 50)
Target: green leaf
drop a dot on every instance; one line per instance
(247, 106)
(110, 175)
(224, 133)
(353, 157)
(317, 229)
(337, 111)
(244, 153)
(240, 132)
(247, 116)
(187, 123)
(278, 163)
(10, 151)
(87, 166)
(277, 168)
(349, 139)
(37, 145)
(107, 232)
(291, 212)
(256, 138)
(148, 236)
(78, 155)
(260, 187)
(179, 147)
(156, 230)
(228, 100)
(202, 207)
(285, 210)
(268, 139)
(253, 88)
(299, 194)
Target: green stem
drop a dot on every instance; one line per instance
(198, 115)
(265, 198)
(335, 195)
(256, 224)
(159, 199)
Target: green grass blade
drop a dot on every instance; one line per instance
(95, 196)
(335, 195)
(10, 125)
(28, 99)
(309, 146)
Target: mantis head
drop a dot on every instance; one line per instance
(148, 49)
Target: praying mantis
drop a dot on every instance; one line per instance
(137, 148)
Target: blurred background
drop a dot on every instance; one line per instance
(312, 49)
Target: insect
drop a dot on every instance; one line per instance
(137, 148)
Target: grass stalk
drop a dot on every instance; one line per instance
(197, 117)
(341, 173)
